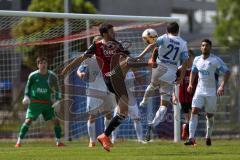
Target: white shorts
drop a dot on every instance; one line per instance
(163, 73)
(108, 100)
(163, 78)
(133, 111)
(209, 102)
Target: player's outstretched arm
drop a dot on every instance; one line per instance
(146, 50)
(77, 61)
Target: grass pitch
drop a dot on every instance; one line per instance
(128, 150)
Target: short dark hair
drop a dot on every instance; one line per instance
(104, 27)
(173, 28)
(207, 41)
(41, 58)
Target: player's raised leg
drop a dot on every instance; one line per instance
(167, 89)
(159, 117)
(155, 83)
(148, 92)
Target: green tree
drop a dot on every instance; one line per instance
(29, 29)
(227, 31)
(30, 25)
(78, 6)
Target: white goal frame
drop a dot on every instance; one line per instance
(88, 17)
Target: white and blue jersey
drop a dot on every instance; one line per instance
(206, 69)
(94, 76)
(95, 82)
(171, 50)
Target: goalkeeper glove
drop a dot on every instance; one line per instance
(26, 100)
(56, 104)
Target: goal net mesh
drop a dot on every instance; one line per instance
(60, 40)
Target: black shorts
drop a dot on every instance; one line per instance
(186, 107)
(116, 84)
(108, 83)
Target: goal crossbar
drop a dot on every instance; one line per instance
(86, 16)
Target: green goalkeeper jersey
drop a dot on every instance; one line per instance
(42, 89)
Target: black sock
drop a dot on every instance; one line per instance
(187, 126)
(115, 122)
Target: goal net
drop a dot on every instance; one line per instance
(61, 37)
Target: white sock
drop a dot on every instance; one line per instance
(106, 123)
(19, 140)
(91, 131)
(114, 135)
(57, 140)
(148, 92)
(159, 116)
(193, 125)
(138, 129)
(209, 126)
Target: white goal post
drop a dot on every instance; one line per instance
(81, 30)
(88, 16)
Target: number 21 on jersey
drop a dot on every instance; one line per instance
(172, 50)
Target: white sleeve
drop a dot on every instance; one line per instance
(160, 41)
(221, 66)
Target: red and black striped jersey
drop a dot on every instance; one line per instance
(184, 96)
(108, 55)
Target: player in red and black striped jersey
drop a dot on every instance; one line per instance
(109, 54)
(185, 98)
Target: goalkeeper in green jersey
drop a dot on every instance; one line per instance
(42, 86)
